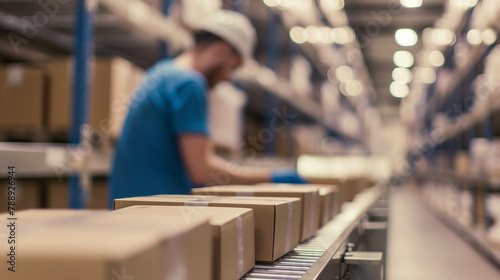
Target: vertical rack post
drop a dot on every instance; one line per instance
(292, 52)
(164, 53)
(83, 50)
(272, 62)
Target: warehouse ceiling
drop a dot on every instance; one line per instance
(374, 21)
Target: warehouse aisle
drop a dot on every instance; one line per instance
(421, 247)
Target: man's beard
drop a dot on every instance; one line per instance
(214, 76)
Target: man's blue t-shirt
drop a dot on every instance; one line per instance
(169, 102)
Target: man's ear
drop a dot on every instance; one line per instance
(222, 49)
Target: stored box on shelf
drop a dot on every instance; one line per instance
(113, 83)
(21, 97)
(28, 194)
(58, 194)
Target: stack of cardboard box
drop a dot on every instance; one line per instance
(217, 236)
(309, 198)
(277, 220)
(40, 98)
(22, 97)
(114, 80)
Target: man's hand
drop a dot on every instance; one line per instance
(200, 161)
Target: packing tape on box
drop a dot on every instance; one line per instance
(289, 227)
(199, 202)
(311, 217)
(244, 193)
(241, 255)
(175, 265)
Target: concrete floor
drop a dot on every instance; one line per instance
(421, 247)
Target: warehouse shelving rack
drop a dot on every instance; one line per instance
(454, 134)
(82, 46)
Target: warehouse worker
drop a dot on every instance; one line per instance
(164, 146)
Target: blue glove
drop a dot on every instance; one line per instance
(286, 176)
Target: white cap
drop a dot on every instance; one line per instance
(235, 29)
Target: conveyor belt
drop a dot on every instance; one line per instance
(309, 259)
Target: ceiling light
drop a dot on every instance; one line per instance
(399, 89)
(402, 75)
(351, 88)
(354, 87)
(286, 3)
(298, 34)
(344, 73)
(403, 59)
(426, 75)
(313, 34)
(343, 35)
(332, 5)
(331, 75)
(442, 37)
(406, 37)
(325, 35)
(489, 36)
(271, 3)
(463, 3)
(411, 3)
(474, 37)
(436, 58)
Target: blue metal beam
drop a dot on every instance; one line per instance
(83, 52)
(238, 6)
(164, 53)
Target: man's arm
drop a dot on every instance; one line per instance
(204, 167)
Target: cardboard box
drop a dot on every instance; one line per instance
(28, 194)
(232, 235)
(33, 219)
(21, 97)
(348, 187)
(329, 200)
(58, 194)
(329, 204)
(277, 220)
(113, 83)
(103, 247)
(309, 197)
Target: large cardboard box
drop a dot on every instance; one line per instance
(113, 82)
(103, 247)
(58, 194)
(329, 200)
(348, 187)
(21, 97)
(329, 204)
(277, 220)
(232, 235)
(34, 219)
(309, 196)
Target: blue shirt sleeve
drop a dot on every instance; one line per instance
(190, 109)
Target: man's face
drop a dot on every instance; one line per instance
(225, 63)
